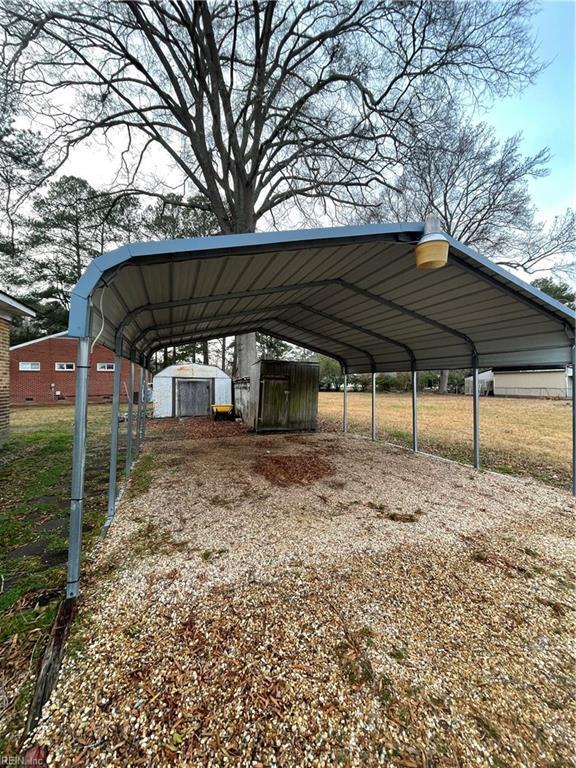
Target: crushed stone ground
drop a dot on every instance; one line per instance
(364, 607)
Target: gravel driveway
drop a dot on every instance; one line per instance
(320, 600)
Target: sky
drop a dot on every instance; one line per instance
(544, 112)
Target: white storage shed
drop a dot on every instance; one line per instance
(485, 383)
(189, 389)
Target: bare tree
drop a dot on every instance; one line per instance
(461, 174)
(478, 188)
(264, 104)
(544, 246)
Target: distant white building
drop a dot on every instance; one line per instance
(552, 382)
(189, 389)
(485, 380)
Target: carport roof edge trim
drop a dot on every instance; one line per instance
(103, 268)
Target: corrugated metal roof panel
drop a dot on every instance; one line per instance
(353, 293)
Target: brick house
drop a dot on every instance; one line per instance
(9, 308)
(43, 371)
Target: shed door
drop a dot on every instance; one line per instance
(192, 397)
(274, 398)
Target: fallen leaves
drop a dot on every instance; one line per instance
(288, 470)
(193, 428)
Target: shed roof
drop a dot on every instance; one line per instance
(11, 307)
(350, 292)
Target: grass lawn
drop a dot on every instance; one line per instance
(35, 468)
(523, 437)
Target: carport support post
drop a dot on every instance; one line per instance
(128, 464)
(78, 467)
(141, 405)
(144, 408)
(476, 414)
(345, 405)
(414, 411)
(114, 437)
(373, 406)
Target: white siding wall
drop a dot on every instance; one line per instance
(222, 392)
(162, 395)
(530, 384)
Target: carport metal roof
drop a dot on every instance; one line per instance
(353, 293)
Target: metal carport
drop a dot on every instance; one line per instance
(353, 293)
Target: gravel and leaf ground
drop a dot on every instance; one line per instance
(320, 600)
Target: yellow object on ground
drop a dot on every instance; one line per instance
(222, 412)
(221, 408)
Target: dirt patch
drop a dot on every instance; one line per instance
(48, 557)
(54, 557)
(40, 597)
(42, 500)
(33, 549)
(292, 469)
(59, 524)
(402, 517)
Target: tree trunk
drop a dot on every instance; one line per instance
(245, 349)
(443, 388)
(245, 354)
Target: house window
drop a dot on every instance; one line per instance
(28, 366)
(104, 366)
(64, 366)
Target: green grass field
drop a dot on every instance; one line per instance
(34, 512)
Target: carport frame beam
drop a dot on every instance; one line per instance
(373, 429)
(78, 467)
(345, 405)
(476, 414)
(415, 411)
(144, 409)
(141, 406)
(128, 463)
